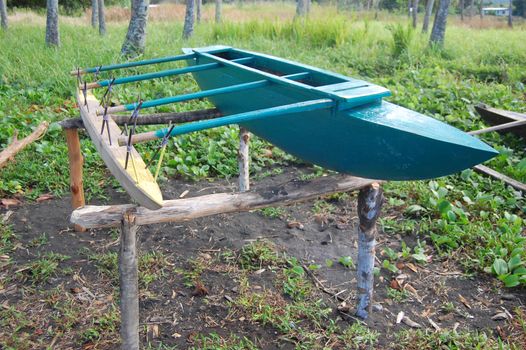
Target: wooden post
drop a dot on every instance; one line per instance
(243, 157)
(370, 202)
(129, 283)
(75, 171)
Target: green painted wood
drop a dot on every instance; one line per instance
(167, 73)
(267, 113)
(375, 140)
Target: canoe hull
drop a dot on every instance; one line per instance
(379, 140)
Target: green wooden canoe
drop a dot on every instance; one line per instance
(360, 134)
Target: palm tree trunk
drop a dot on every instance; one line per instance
(510, 14)
(94, 13)
(188, 20)
(301, 8)
(52, 34)
(136, 37)
(3, 15)
(427, 15)
(439, 25)
(415, 12)
(218, 10)
(461, 7)
(102, 17)
(199, 5)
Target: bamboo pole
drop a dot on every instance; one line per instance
(370, 202)
(243, 158)
(128, 279)
(75, 171)
(504, 126)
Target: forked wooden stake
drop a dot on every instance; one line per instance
(370, 202)
(129, 283)
(76, 162)
(243, 158)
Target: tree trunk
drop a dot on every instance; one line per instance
(52, 35)
(510, 15)
(481, 6)
(471, 7)
(409, 8)
(102, 17)
(198, 4)
(461, 6)
(188, 19)
(3, 14)
(370, 202)
(136, 37)
(415, 12)
(94, 13)
(301, 8)
(307, 6)
(427, 16)
(218, 10)
(439, 25)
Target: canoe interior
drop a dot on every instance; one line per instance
(376, 139)
(494, 116)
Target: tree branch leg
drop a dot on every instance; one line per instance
(370, 202)
(129, 284)
(75, 171)
(243, 159)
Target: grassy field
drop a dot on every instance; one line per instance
(470, 219)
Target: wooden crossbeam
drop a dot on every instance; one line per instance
(186, 209)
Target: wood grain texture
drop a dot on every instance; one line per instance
(76, 162)
(186, 209)
(138, 182)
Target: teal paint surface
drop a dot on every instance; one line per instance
(374, 139)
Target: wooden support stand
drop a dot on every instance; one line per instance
(75, 170)
(243, 157)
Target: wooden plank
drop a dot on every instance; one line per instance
(495, 174)
(186, 209)
(76, 162)
(136, 180)
(494, 116)
(500, 127)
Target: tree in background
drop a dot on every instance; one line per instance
(439, 25)
(188, 28)
(427, 15)
(52, 35)
(461, 9)
(301, 8)
(198, 5)
(415, 12)
(136, 37)
(3, 14)
(94, 13)
(102, 17)
(520, 8)
(219, 4)
(510, 14)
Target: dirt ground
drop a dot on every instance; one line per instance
(61, 311)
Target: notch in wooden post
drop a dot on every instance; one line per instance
(370, 202)
(129, 283)
(76, 162)
(243, 158)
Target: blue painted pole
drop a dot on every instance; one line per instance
(299, 107)
(164, 73)
(187, 97)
